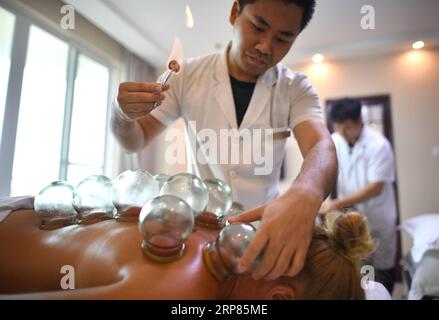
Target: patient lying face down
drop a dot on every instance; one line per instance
(109, 264)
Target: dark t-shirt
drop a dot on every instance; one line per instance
(242, 94)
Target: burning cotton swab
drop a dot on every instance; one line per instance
(175, 59)
(173, 67)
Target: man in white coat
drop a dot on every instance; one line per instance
(239, 92)
(365, 182)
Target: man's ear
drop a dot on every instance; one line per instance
(281, 292)
(234, 13)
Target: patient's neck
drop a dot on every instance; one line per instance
(227, 288)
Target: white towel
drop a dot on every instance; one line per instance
(376, 291)
(9, 204)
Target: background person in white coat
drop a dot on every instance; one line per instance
(365, 182)
(245, 88)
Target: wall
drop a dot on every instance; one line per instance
(411, 79)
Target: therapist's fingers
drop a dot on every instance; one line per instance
(253, 250)
(271, 255)
(282, 264)
(298, 261)
(140, 97)
(143, 87)
(248, 216)
(138, 107)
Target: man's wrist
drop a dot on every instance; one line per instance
(120, 114)
(304, 191)
(310, 197)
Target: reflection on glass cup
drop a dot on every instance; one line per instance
(190, 188)
(131, 190)
(92, 199)
(235, 210)
(54, 205)
(220, 201)
(165, 223)
(221, 256)
(161, 179)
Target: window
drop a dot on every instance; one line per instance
(7, 22)
(62, 102)
(87, 135)
(40, 121)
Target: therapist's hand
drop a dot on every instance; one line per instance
(329, 205)
(136, 99)
(285, 232)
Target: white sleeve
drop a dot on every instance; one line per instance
(305, 102)
(170, 110)
(381, 167)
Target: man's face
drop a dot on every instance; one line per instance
(349, 129)
(263, 34)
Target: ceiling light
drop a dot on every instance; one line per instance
(318, 58)
(418, 45)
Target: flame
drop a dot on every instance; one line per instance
(189, 17)
(176, 52)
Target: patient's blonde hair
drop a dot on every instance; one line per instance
(332, 266)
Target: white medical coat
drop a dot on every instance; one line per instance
(371, 160)
(202, 92)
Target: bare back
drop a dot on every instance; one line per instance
(107, 260)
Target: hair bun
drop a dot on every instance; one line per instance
(350, 234)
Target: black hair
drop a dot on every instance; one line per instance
(345, 109)
(308, 7)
